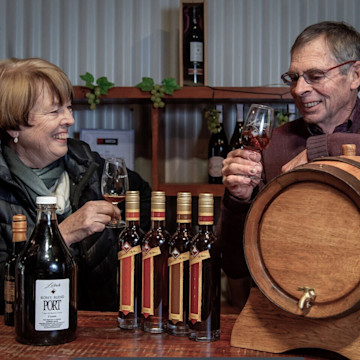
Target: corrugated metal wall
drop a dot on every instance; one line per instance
(248, 45)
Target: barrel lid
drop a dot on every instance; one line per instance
(302, 232)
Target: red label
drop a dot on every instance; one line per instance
(147, 286)
(195, 284)
(126, 283)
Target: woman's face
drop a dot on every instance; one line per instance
(45, 141)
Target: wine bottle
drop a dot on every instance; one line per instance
(179, 256)
(235, 141)
(204, 313)
(19, 238)
(155, 253)
(45, 283)
(194, 51)
(218, 149)
(129, 255)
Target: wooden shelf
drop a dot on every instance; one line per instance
(123, 95)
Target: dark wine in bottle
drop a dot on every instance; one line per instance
(235, 141)
(179, 256)
(204, 313)
(129, 255)
(194, 50)
(218, 150)
(19, 239)
(155, 253)
(45, 283)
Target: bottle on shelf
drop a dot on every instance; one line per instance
(218, 149)
(155, 253)
(18, 240)
(179, 256)
(204, 313)
(235, 141)
(129, 255)
(194, 50)
(45, 283)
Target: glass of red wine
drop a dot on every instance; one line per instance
(114, 184)
(258, 126)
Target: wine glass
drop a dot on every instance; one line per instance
(114, 184)
(258, 126)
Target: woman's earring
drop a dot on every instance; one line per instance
(16, 140)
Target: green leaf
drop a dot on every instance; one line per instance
(87, 77)
(146, 85)
(170, 85)
(104, 84)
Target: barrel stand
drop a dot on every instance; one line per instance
(263, 326)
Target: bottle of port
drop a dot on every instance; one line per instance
(155, 253)
(19, 239)
(194, 50)
(235, 141)
(218, 150)
(129, 255)
(45, 283)
(179, 256)
(204, 313)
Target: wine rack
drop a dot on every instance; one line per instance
(124, 95)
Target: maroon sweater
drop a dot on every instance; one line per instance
(287, 141)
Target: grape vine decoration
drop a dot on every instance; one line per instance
(212, 118)
(157, 91)
(100, 88)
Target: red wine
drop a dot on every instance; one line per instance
(204, 313)
(179, 256)
(155, 253)
(114, 199)
(45, 283)
(255, 142)
(193, 48)
(129, 267)
(19, 238)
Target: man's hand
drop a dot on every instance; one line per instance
(242, 172)
(298, 160)
(89, 219)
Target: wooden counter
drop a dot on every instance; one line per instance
(100, 337)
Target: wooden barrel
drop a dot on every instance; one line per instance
(302, 238)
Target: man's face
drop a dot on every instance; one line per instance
(330, 102)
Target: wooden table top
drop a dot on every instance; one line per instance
(99, 336)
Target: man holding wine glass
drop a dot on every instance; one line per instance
(324, 78)
(37, 157)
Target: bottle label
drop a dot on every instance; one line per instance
(148, 255)
(196, 51)
(196, 259)
(9, 289)
(176, 282)
(52, 298)
(215, 166)
(126, 275)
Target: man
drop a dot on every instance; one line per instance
(324, 77)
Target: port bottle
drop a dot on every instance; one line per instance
(129, 255)
(45, 283)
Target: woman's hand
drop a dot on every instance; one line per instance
(89, 219)
(242, 172)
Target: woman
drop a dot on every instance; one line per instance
(37, 157)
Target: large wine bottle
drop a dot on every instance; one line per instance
(155, 253)
(45, 283)
(204, 313)
(194, 51)
(19, 238)
(129, 255)
(235, 141)
(218, 149)
(179, 255)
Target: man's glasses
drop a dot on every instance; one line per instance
(310, 76)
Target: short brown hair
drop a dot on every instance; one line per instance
(19, 89)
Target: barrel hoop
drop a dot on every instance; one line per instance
(340, 159)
